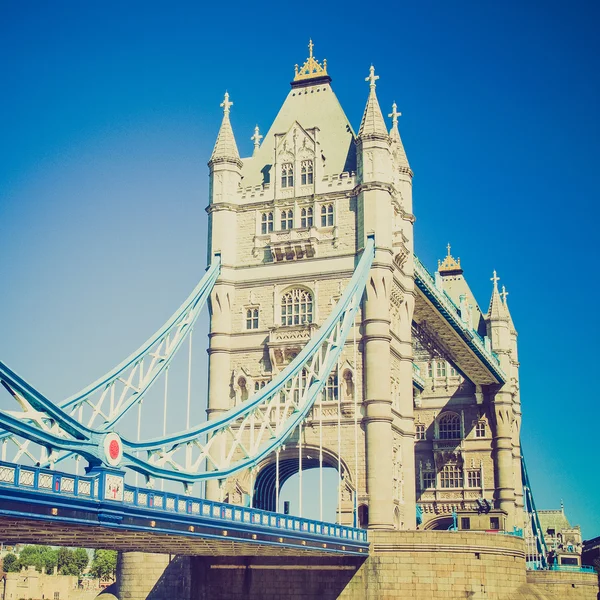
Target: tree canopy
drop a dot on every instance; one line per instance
(104, 564)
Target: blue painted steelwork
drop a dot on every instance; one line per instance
(539, 553)
(299, 384)
(444, 304)
(418, 381)
(159, 349)
(28, 492)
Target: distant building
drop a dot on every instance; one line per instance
(563, 540)
(590, 554)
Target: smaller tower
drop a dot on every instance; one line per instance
(225, 176)
(502, 407)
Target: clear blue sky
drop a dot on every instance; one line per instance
(108, 115)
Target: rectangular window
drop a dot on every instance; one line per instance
(330, 392)
(306, 175)
(441, 368)
(428, 480)
(259, 385)
(453, 372)
(252, 318)
(450, 477)
(480, 429)
(465, 523)
(494, 523)
(306, 217)
(327, 215)
(430, 370)
(474, 479)
(287, 219)
(266, 223)
(287, 175)
(419, 432)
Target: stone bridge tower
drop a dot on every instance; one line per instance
(290, 223)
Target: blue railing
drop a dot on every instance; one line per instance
(564, 568)
(425, 280)
(52, 482)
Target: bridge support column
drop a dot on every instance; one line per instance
(157, 576)
(378, 402)
(505, 478)
(219, 372)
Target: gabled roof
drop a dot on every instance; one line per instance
(314, 105)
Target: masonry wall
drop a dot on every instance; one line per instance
(412, 565)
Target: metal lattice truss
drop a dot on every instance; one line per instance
(101, 405)
(537, 551)
(237, 439)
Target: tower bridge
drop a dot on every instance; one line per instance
(330, 345)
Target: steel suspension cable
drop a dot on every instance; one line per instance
(354, 392)
(277, 479)
(339, 448)
(321, 456)
(162, 481)
(300, 470)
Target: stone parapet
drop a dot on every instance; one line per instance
(564, 585)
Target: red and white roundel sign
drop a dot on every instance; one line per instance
(113, 449)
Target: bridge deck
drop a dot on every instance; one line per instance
(191, 526)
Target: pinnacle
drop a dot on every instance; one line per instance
(372, 121)
(497, 310)
(225, 146)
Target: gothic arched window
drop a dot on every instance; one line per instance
(306, 217)
(266, 223)
(449, 427)
(327, 215)
(287, 175)
(296, 307)
(306, 173)
(287, 219)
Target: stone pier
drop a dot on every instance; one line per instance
(412, 565)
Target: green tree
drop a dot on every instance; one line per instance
(81, 559)
(66, 562)
(104, 564)
(50, 559)
(32, 556)
(11, 563)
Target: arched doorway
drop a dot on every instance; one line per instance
(363, 516)
(439, 524)
(265, 484)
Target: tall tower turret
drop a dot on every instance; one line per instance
(516, 397)
(389, 430)
(224, 179)
(497, 322)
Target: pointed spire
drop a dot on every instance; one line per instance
(372, 122)
(225, 146)
(450, 265)
(256, 139)
(504, 294)
(397, 145)
(496, 310)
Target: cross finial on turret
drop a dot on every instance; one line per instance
(256, 138)
(226, 105)
(504, 293)
(372, 78)
(495, 279)
(448, 248)
(310, 48)
(395, 114)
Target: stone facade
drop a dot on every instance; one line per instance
(290, 223)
